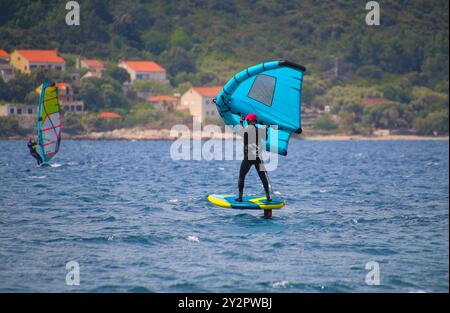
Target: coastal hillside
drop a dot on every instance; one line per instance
(360, 79)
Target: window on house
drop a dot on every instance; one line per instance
(66, 107)
(262, 89)
(78, 108)
(58, 68)
(139, 76)
(19, 111)
(30, 111)
(11, 111)
(72, 108)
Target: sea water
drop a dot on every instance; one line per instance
(360, 216)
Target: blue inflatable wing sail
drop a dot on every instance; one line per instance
(272, 91)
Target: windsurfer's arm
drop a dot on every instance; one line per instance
(265, 129)
(240, 127)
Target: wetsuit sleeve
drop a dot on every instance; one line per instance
(240, 130)
(264, 131)
(32, 146)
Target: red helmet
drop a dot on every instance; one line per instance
(251, 117)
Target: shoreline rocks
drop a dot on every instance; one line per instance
(167, 134)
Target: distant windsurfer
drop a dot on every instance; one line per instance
(252, 153)
(32, 144)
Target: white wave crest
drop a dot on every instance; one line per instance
(193, 239)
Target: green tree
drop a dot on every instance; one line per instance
(153, 87)
(4, 92)
(101, 93)
(41, 75)
(19, 87)
(388, 116)
(434, 122)
(178, 60)
(371, 72)
(155, 41)
(9, 126)
(325, 122)
(118, 74)
(32, 98)
(347, 123)
(112, 95)
(73, 124)
(433, 101)
(180, 39)
(90, 93)
(396, 93)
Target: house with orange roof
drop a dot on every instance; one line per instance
(27, 60)
(164, 103)
(4, 56)
(18, 109)
(92, 65)
(199, 101)
(66, 98)
(92, 74)
(95, 68)
(144, 70)
(6, 72)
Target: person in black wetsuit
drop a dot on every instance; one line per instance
(32, 146)
(252, 154)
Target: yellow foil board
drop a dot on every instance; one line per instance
(248, 202)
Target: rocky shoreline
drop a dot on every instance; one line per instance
(167, 134)
(149, 134)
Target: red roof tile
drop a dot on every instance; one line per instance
(41, 56)
(62, 86)
(162, 98)
(93, 63)
(375, 101)
(3, 54)
(144, 66)
(208, 91)
(109, 115)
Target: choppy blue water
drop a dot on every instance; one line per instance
(137, 221)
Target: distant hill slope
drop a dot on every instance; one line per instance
(217, 37)
(393, 76)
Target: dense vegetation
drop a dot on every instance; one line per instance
(9, 126)
(405, 59)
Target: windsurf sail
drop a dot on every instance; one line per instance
(272, 91)
(49, 122)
